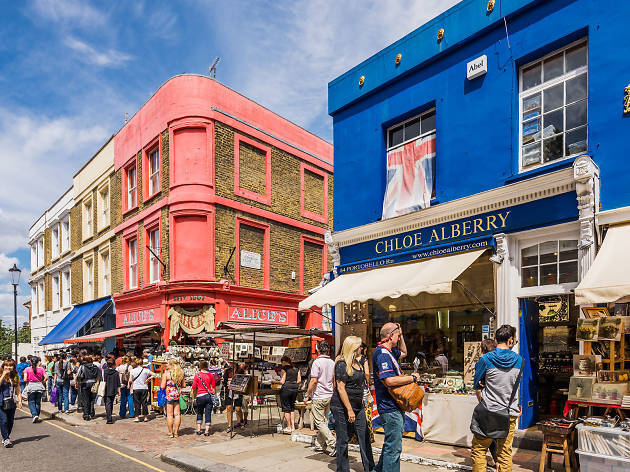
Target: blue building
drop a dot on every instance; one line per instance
(479, 162)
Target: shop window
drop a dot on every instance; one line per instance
(154, 171)
(553, 106)
(549, 263)
(132, 259)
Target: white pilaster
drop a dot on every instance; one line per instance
(586, 175)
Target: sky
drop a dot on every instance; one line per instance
(71, 69)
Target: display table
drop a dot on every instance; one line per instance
(446, 418)
(572, 405)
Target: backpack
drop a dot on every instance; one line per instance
(68, 374)
(125, 376)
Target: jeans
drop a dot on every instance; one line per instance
(86, 400)
(126, 400)
(481, 444)
(393, 424)
(109, 407)
(344, 430)
(63, 392)
(325, 438)
(6, 422)
(140, 402)
(74, 393)
(35, 403)
(50, 385)
(204, 404)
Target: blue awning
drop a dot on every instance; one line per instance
(75, 320)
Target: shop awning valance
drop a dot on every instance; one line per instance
(75, 320)
(112, 333)
(431, 276)
(608, 279)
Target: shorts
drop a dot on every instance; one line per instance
(236, 401)
(172, 402)
(288, 395)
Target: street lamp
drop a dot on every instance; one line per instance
(15, 280)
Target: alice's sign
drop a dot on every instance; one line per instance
(258, 315)
(136, 317)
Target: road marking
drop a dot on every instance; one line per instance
(100, 445)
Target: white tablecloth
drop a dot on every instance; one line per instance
(446, 418)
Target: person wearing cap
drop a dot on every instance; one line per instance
(320, 390)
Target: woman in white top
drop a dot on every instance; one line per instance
(139, 378)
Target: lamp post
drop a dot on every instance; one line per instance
(15, 280)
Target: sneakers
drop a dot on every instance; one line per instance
(35, 419)
(318, 448)
(137, 419)
(229, 430)
(287, 431)
(333, 453)
(7, 443)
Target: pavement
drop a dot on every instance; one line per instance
(253, 449)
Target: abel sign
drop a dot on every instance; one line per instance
(477, 67)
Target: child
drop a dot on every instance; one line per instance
(488, 345)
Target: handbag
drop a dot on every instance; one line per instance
(182, 403)
(8, 403)
(54, 394)
(494, 424)
(161, 397)
(407, 397)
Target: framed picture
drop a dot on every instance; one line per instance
(553, 309)
(587, 329)
(595, 312)
(581, 388)
(584, 366)
(621, 309)
(609, 329)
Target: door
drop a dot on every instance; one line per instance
(528, 348)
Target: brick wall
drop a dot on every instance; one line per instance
(252, 168)
(47, 247)
(252, 239)
(76, 227)
(115, 249)
(313, 192)
(312, 265)
(76, 280)
(164, 244)
(48, 292)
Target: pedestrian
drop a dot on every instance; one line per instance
(88, 376)
(50, 365)
(233, 400)
(10, 399)
(386, 374)
(290, 381)
(367, 394)
(74, 388)
(216, 371)
(126, 400)
(147, 358)
(139, 378)
(500, 371)
(204, 388)
(320, 390)
(347, 405)
(63, 374)
(487, 345)
(173, 382)
(120, 354)
(36, 380)
(20, 370)
(112, 386)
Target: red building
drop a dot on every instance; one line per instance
(234, 200)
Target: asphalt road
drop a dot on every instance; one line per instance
(56, 446)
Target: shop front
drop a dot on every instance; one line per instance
(450, 275)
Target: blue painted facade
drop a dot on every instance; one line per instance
(477, 121)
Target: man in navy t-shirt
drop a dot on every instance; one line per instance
(387, 373)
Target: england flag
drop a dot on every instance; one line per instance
(410, 174)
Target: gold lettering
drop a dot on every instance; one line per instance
(491, 220)
(466, 228)
(434, 235)
(389, 247)
(477, 224)
(417, 239)
(377, 250)
(443, 235)
(405, 244)
(503, 218)
(396, 241)
(454, 227)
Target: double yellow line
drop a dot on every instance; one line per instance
(52, 423)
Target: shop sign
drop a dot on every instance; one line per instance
(137, 317)
(258, 315)
(191, 321)
(250, 259)
(189, 298)
(477, 67)
(556, 209)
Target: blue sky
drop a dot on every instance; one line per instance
(70, 70)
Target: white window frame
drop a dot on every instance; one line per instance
(34, 304)
(539, 88)
(103, 206)
(33, 256)
(88, 218)
(41, 297)
(65, 235)
(88, 278)
(132, 192)
(132, 263)
(55, 240)
(154, 172)
(40, 252)
(104, 271)
(154, 264)
(56, 280)
(402, 123)
(66, 288)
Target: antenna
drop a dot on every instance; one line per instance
(126, 117)
(213, 68)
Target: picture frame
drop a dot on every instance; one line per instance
(581, 388)
(584, 366)
(621, 309)
(587, 329)
(610, 328)
(594, 312)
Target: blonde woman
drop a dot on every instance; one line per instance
(173, 381)
(346, 405)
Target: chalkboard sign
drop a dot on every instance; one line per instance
(297, 354)
(239, 383)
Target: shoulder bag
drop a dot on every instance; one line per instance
(182, 403)
(213, 397)
(407, 397)
(494, 424)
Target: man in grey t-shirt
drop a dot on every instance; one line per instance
(320, 389)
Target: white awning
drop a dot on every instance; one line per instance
(608, 279)
(431, 276)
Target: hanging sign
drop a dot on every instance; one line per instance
(477, 67)
(191, 321)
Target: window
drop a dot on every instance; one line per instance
(104, 207)
(416, 127)
(40, 297)
(65, 287)
(55, 292)
(33, 256)
(87, 214)
(553, 106)
(40, 252)
(133, 263)
(65, 234)
(154, 171)
(104, 285)
(55, 241)
(89, 279)
(34, 304)
(154, 264)
(549, 263)
(131, 187)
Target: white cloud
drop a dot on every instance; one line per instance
(77, 12)
(109, 58)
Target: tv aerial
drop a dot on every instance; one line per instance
(213, 68)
